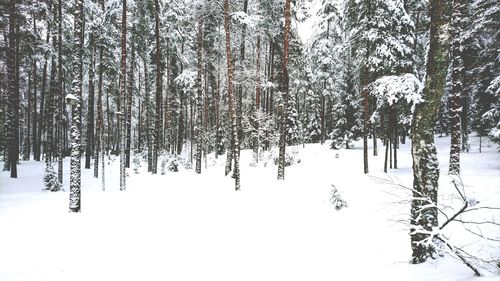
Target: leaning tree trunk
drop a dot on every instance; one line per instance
(75, 172)
(123, 94)
(284, 88)
(231, 99)
(425, 162)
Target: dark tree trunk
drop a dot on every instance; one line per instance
(59, 98)
(425, 162)
(12, 118)
(89, 149)
(455, 111)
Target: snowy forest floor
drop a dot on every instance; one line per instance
(184, 226)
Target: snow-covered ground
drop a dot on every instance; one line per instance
(184, 226)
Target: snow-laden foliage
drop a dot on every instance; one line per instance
(50, 180)
(336, 199)
(395, 88)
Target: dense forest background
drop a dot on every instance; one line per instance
(182, 79)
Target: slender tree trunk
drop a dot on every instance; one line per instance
(455, 110)
(159, 86)
(27, 137)
(364, 82)
(231, 100)
(199, 113)
(147, 101)
(75, 172)
(123, 95)
(425, 162)
(59, 97)
(12, 118)
(284, 88)
(42, 113)
(89, 149)
(100, 120)
(129, 104)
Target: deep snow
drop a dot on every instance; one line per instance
(184, 226)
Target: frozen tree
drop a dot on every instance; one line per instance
(313, 125)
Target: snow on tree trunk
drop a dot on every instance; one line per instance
(157, 135)
(76, 99)
(231, 99)
(284, 89)
(123, 96)
(199, 88)
(424, 217)
(455, 110)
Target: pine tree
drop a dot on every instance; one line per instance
(313, 128)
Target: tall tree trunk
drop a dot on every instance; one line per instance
(129, 104)
(284, 89)
(159, 86)
(75, 172)
(456, 90)
(12, 118)
(100, 118)
(42, 113)
(27, 137)
(123, 95)
(199, 113)
(59, 97)
(425, 162)
(89, 149)
(231, 100)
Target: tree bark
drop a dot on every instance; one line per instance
(199, 113)
(284, 89)
(157, 135)
(425, 162)
(12, 120)
(75, 172)
(123, 95)
(89, 148)
(231, 100)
